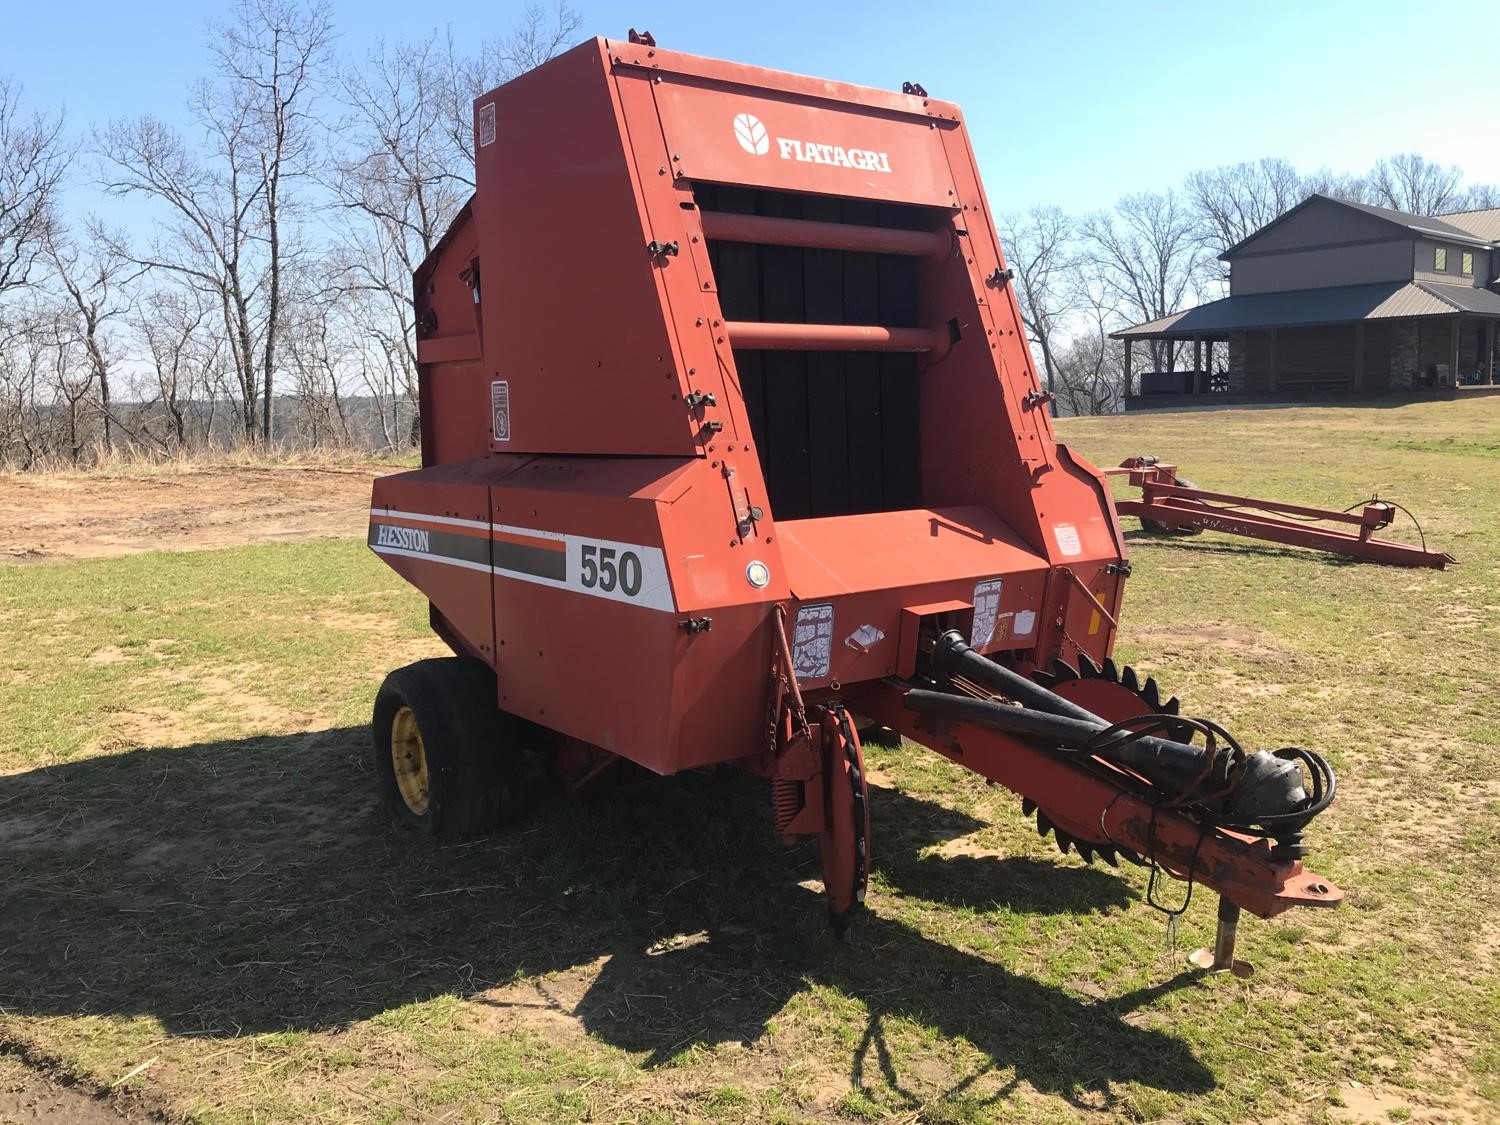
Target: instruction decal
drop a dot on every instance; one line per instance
(812, 641)
(1067, 540)
(487, 124)
(986, 609)
(500, 409)
(1025, 622)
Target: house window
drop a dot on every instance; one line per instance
(1440, 259)
(1468, 264)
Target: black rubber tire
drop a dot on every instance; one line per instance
(1151, 527)
(472, 757)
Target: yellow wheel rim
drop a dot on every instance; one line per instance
(409, 760)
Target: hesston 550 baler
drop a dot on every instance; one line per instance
(730, 434)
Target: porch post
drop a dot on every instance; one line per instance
(1453, 350)
(1128, 392)
(1271, 374)
(1489, 352)
(1197, 365)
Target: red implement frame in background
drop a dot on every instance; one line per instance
(1169, 503)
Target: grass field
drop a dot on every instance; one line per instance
(193, 875)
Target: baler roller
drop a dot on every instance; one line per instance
(765, 230)
(756, 335)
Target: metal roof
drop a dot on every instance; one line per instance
(1440, 225)
(1484, 223)
(1340, 304)
(1466, 298)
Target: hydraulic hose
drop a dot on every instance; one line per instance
(1260, 788)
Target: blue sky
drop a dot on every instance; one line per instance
(1072, 104)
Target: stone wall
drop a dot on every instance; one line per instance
(1236, 371)
(1470, 344)
(1405, 347)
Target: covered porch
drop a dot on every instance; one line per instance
(1249, 348)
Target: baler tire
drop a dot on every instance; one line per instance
(470, 761)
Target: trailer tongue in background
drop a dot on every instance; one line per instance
(1169, 502)
(730, 431)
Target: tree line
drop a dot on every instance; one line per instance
(268, 297)
(270, 300)
(1080, 277)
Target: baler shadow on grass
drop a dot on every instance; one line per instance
(250, 885)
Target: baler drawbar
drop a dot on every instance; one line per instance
(722, 375)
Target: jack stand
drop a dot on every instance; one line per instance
(1221, 958)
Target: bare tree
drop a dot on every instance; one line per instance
(23, 364)
(1038, 247)
(224, 228)
(271, 50)
(1482, 197)
(210, 235)
(401, 185)
(33, 161)
(90, 279)
(316, 354)
(407, 168)
(183, 358)
(1339, 185)
(1091, 366)
(1236, 200)
(1148, 255)
(1410, 182)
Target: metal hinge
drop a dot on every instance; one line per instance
(697, 625)
(913, 88)
(662, 249)
(696, 399)
(1120, 568)
(1001, 276)
(1038, 398)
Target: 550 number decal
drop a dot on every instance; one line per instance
(608, 569)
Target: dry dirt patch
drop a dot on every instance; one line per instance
(100, 515)
(27, 1094)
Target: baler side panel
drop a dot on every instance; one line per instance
(656, 693)
(573, 318)
(1067, 487)
(431, 526)
(453, 392)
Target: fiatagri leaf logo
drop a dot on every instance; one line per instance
(754, 139)
(751, 134)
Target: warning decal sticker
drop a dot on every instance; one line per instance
(986, 607)
(1067, 539)
(500, 409)
(812, 641)
(487, 124)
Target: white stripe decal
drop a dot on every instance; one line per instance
(603, 577)
(531, 532)
(452, 521)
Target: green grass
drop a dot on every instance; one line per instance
(194, 870)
